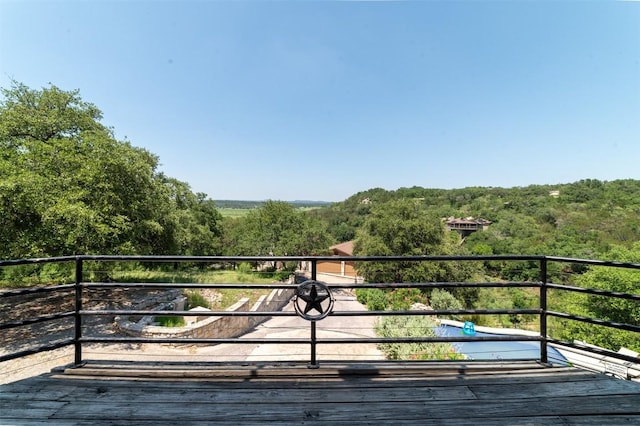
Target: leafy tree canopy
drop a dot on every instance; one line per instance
(277, 229)
(609, 309)
(67, 186)
(403, 228)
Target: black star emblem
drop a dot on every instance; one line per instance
(314, 300)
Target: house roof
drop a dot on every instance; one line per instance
(467, 220)
(345, 249)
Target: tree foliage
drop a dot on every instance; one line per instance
(276, 229)
(412, 326)
(580, 219)
(376, 299)
(609, 308)
(403, 228)
(68, 186)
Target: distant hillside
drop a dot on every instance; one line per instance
(580, 219)
(252, 204)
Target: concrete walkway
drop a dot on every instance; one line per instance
(329, 327)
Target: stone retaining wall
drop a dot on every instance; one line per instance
(212, 327)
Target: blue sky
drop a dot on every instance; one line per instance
(318, 100)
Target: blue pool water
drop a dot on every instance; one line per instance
(498, 350)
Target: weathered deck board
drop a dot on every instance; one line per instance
(538, 421)
(452, 394)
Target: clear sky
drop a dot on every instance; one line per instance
(318, 100)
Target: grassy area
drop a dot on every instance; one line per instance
(242, 212)
(170, 321)
(233, 213)
(228, 296)
(309, 208)
(191, 276)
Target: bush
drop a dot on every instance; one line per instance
(57, 273)
(376, 299)
(403, 298)
(245, 268)
(282, 275)
(412, 326)
(443, 300)
(373, 298)
(170, 321)
(195, 299)
(20, 275)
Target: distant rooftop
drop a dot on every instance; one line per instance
(343, 249)
(466, 225)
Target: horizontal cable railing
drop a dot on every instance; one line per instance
(79, 294)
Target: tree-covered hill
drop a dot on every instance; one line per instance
(582, 219)
(587, 219)
(68, 186)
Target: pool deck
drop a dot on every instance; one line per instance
(443, 393)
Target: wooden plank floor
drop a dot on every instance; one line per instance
(136, 393)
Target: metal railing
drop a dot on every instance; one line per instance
(79, 288)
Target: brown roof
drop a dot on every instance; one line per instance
(345, 249)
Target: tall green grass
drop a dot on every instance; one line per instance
(170, 321)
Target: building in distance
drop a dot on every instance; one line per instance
(466, 226)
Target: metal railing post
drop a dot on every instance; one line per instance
(314, 362)
(78, 318)
(543, 311)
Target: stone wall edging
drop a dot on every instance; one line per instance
(212, 327)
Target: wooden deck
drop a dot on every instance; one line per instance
(129, 393)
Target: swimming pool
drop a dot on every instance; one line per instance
(498, 350)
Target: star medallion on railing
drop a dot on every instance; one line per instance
(317, 297)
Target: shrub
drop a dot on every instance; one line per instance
(373, 298)
(443, 300)
(170, 321)
(403, 298)
(412, 326)
(20, 275)
(195, 299)
(57, 273)
(245, 268)
(376, 299)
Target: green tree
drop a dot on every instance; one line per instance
(45, 116)
(68, 186)
(402, 228)
(609, 309)
(277, 229)
(198, 223)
